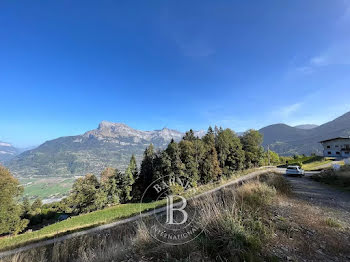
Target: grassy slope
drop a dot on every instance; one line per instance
(95, 218)
(316, 164)
(78, 223)
(309, 162)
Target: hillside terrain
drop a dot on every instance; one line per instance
(287, 140)
(7, 151)
(111, 144)
(307, 126)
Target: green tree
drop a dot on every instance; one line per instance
(230, 153)
(273, 156)
(107, 173)
(162, 165)
(129, 179)
(37, 204)
(251, 141)
(189, 136)
(209, 166)
(174, 153)
(209, 138)
(188, 158)
(210, 169)
(145, 177)
(26, 207)
(85, 194)
(36, 207)
(111, 186)
(10, 210)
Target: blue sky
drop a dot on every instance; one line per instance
(67, 65)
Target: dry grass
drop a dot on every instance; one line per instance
(331, 222)
(305, 232)
(235, 221)
(339, 178)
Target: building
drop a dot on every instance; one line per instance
(336, 147)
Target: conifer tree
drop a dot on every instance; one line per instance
(129, 179)
(189, 136)
(251, 142)
(145, 177)
(188, 157)
(174, 153)
(210, 169)
(230, 153)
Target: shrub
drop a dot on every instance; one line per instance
(256, 194)
(339, 177)
(278, 182)
(331, 222)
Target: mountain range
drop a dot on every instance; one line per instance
(7, 151)
(112, 144)
(287, 140)
(307, 126)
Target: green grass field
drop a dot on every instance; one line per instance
(44, 188)
(309, 162)
(316, 164)
(78, 223)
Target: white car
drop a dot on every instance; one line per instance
(295, 171)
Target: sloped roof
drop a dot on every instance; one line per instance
(336, 138)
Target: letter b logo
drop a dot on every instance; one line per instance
(170, 211)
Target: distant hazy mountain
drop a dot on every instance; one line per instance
(111, 144)
(7, 151)
(287, 140)
(307, 126)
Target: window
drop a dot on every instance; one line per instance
(346, 153)
(336, 146)
(329, 153)
(338, 153)
(328, 146)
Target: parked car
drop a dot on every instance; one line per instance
(295, 171)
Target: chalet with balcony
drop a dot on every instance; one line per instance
(336, 147)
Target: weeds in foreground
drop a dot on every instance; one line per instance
(339, 178)
(236, 226)
(331, 222)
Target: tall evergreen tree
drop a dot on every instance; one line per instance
(174, 153)
(230, 153)
(145, 177)
(251, 142)
(210, 169)
(129, 179)
(188, 157)
(111, 185)
(209, 138)
(189, 136)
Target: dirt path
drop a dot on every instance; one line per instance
(312, 224)
(328, 165)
